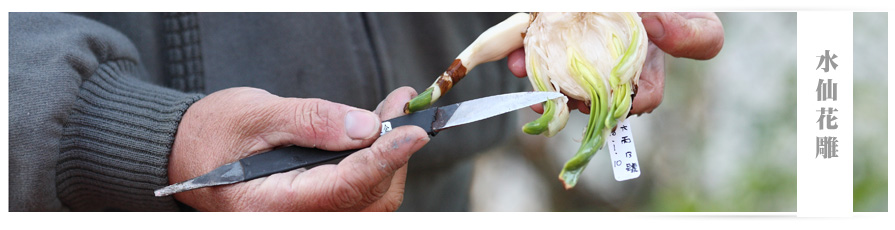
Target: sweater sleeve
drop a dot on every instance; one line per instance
(85, 132)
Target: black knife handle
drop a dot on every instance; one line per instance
(423, 119)
(288, 158)
(294, 157)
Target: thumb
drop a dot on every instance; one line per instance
(690, 35)
(331, 126)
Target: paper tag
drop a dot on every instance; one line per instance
(386, 127)
(622, 154)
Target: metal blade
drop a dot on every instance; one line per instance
(479, 109)
(226, 174)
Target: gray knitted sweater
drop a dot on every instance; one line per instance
(95, 104)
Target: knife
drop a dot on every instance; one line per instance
(432, 120)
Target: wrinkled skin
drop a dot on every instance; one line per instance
(233, 123)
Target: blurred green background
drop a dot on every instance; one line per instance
(722, 140)
(871, 182)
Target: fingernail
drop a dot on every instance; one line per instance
(361, 124)
(653, 26)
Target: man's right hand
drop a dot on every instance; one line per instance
(234, 123)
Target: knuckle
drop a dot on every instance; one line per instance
(380, 153)
(377, 192)
(313, 121)
(393, 197)
(346, 195)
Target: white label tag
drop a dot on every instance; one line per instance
(622, 154)
(386, 127)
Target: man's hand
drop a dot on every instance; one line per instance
(234, 123)
(690, 35)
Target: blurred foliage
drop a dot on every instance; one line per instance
(871, 160)
(732, 123)
(722, 140)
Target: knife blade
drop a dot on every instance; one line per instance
(432, 120)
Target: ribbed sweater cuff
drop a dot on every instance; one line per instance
(116, 142)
